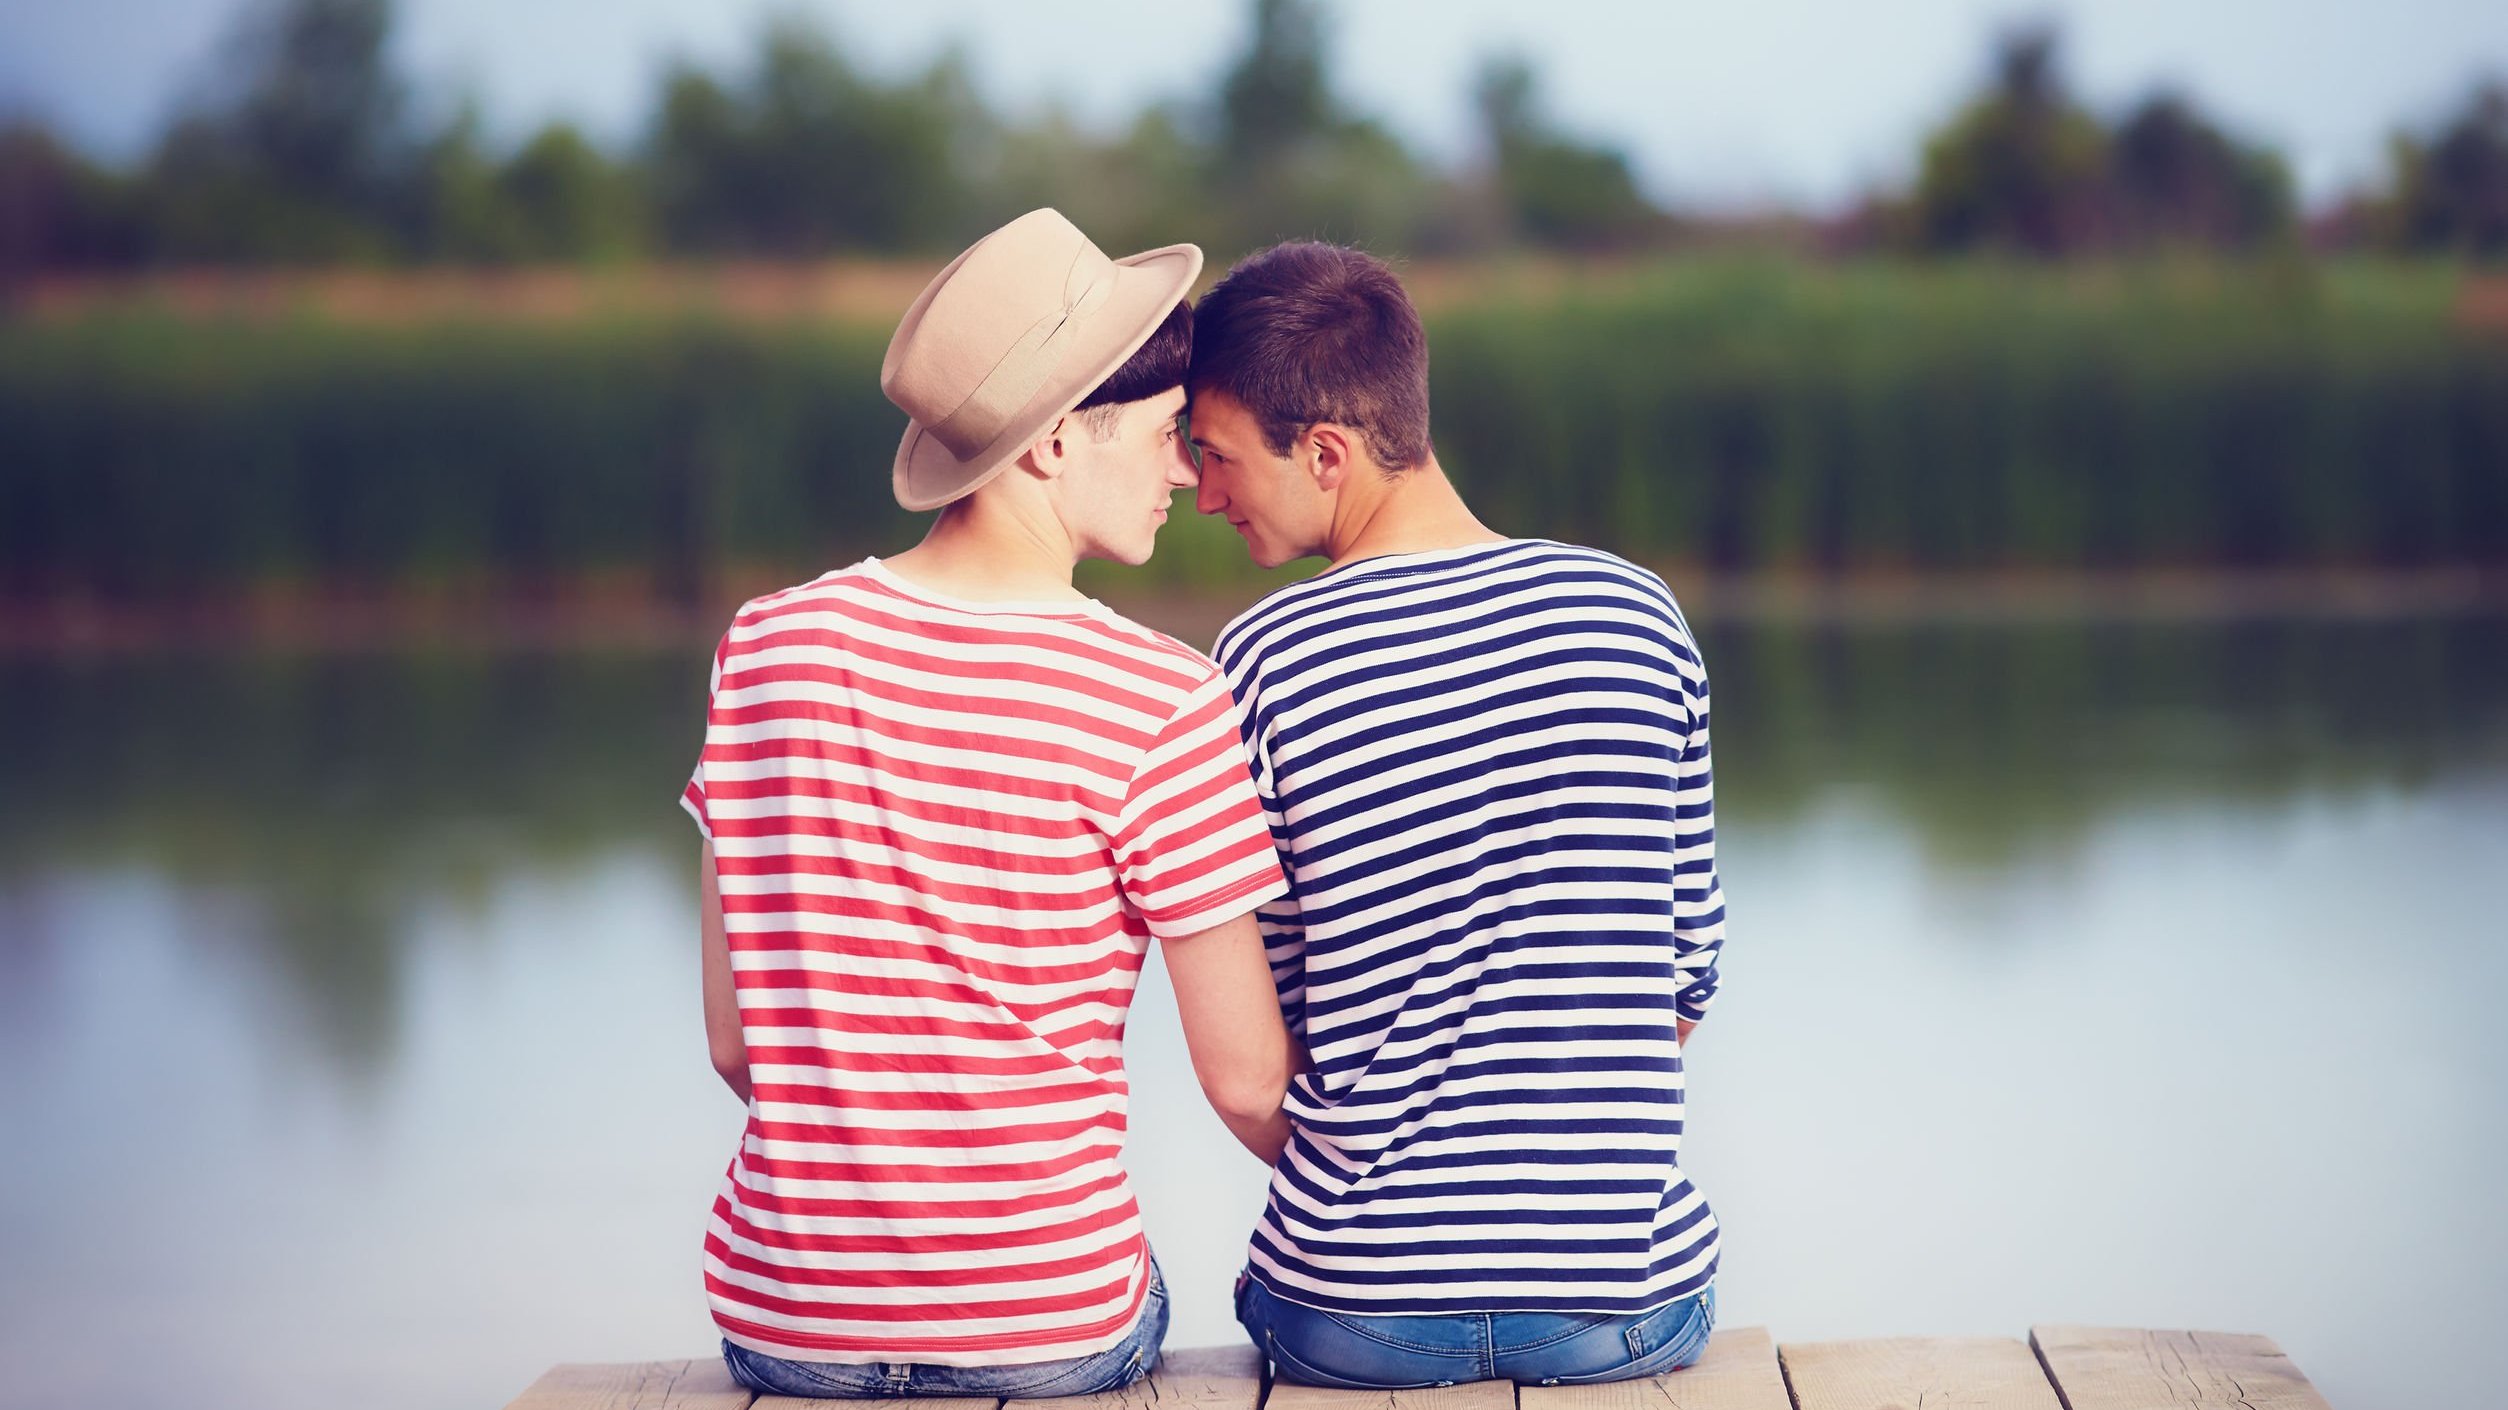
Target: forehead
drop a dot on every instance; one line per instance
(1215, 413)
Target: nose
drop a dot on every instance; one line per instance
(1181, 474)
(1206, 498)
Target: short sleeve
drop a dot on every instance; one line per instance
(692, 797)
(1192, 848)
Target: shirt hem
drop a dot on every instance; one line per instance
(1307, 1301)
(1011, 1349)
(1223, 906)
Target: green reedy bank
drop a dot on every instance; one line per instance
(1720, 413)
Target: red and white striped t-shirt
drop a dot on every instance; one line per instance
(945, 833)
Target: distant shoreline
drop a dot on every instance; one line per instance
(869, 293)
(328, 624)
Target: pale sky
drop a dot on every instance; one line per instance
(1726, 105)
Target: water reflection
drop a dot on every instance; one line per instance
(348, 1014)
(1996, 742)
(315, 804)
(319, 804)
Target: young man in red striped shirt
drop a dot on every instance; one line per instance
(948, 804)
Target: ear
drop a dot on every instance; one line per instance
(1335, 454)
(1050, 452)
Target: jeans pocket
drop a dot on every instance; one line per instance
(773, 1375)
(1044, 1380)
(1658, 1343)
(1294, 1369)
(1684, 1344)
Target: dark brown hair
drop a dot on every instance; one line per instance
(1304, 333)
(1158, 366)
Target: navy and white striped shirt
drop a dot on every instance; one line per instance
(1487, 772)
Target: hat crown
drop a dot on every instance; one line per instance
(993, 328)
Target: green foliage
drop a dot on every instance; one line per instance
(1140, 190)
(812, 155)
(2451, 189)
(2019, 168)
(1733, 415)
(1275, 102)
(2026, 168)
(1552, 189)
(306, 152)
(301, 153)
(57, 209)
(557, 198)
(1289, 162)
(1985, 417)
(2180, 180)
(152, 459)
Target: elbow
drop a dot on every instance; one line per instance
(1246, 1097)
(731, 1060)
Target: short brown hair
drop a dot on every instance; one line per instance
(1158, 366)
(1306, 332)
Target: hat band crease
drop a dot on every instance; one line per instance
(1015, 379)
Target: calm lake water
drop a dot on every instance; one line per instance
(2125, 973)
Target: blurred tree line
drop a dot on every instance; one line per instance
(1734, 414)
(2026, 167)
(310, 148)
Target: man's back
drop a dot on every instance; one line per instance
(1487, 769)
(945, 834)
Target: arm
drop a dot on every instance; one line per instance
(1233, 1031)
(722, 1004)
(1698, 897)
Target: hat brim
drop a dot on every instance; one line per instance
(1147, 285)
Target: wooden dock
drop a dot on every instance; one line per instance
(2058, 1368)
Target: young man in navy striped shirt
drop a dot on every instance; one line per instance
(1485, 763)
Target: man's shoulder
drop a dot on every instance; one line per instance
(829, 590)
(1156, 652)
(1241, 642)
(1314, 601)
(1090, 628)
(1643, 590)
(1528, 563)
(1599, 560)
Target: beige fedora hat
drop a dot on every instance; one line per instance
(1012, 334)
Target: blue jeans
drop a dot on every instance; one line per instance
(1319, 1348)
(1112, 1369)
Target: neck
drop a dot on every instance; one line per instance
(1417, 511)
(992, 547)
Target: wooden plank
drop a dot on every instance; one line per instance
(920, 1402)
(911, 1403)
(2125, 1368)
(1974, 1373)
(704, 1383)
(1204, 1377)
(1738, 1372)
(1472, 1395)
